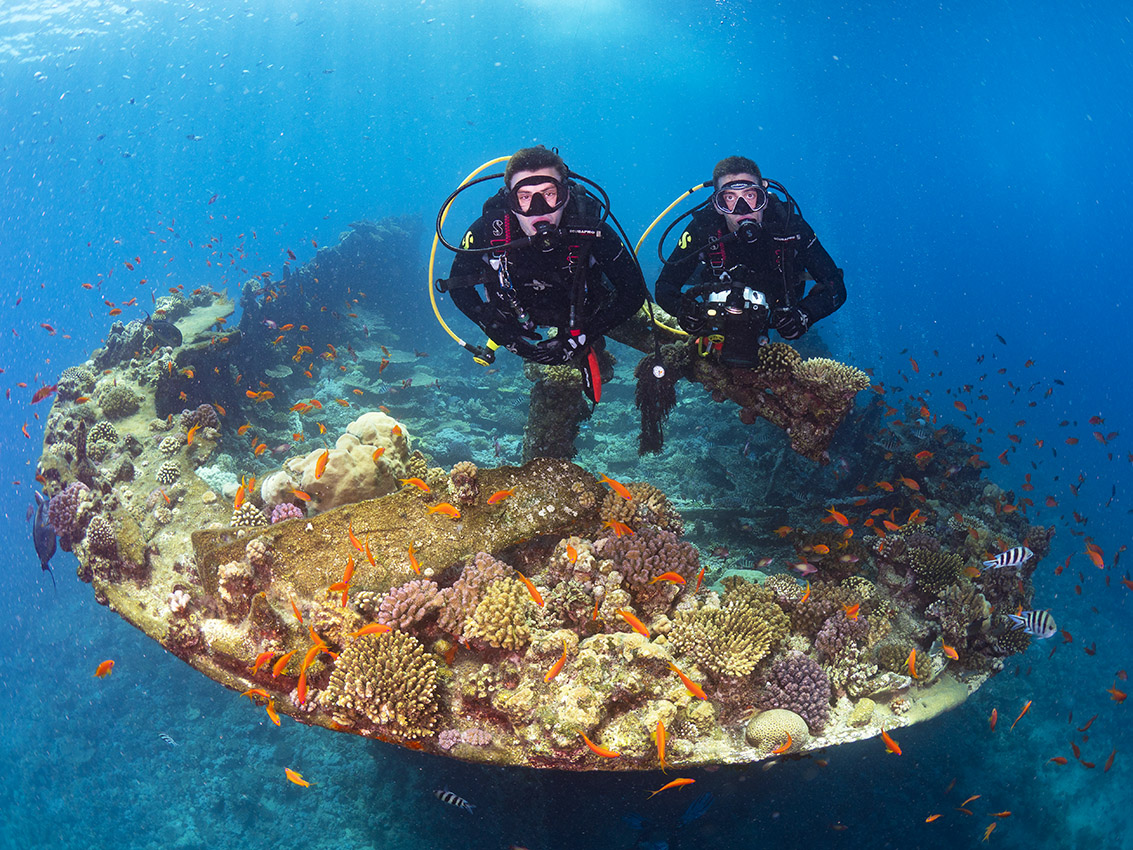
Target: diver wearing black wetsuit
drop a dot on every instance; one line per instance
(541, 285)
(756, 240)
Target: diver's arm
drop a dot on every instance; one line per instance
(618, 264)
(679, 268)
(829, 290)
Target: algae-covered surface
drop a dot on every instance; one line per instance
(530, 615)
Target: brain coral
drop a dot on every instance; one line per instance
(769, 729)
(501, 618)
(388, 680)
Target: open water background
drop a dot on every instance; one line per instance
(966, 165)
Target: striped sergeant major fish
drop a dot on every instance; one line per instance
(1011, 558)
(1037, 623)
(446, 796)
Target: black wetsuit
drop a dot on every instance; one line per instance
(543, 284)
(778, 258)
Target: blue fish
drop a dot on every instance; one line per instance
(43, 535)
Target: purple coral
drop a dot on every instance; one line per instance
(449, 738)
(841, 638)
(647, 554)
(285, 510)
(404, 606)
(799, 683)
(63, 510)
(204, 415)
(459, 601)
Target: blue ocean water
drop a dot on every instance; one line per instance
(964, 166)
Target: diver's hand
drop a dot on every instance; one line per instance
(792, 323)
(563, 348)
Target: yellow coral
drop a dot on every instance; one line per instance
(770, 729)
(833, 375)
(501, 618)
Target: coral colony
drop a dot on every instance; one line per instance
(522, 615)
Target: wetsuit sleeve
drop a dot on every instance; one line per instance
(679, 268)
(621, 269)
(466, 268)
(829, 290)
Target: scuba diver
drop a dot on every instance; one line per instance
(751, 250)
(547, 260)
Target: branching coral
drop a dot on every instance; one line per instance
(389, 680)
(935, 571)
(799, 683)
(404, 606)
(729, 641)
(459, 602)
(501, 618)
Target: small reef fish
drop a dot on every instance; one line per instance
(371, 629)
(619, 528)
(660, 736)
(931, 818)
(674, 578)
(911, 663)
(1026, 708)
(557, 666)
(416, 482)
(446, 796)
(599, 750)
(445, 508)
(806, 595)
(252, 693)
(851, 611)
(676, 783)
(1114, 694)
(571, 553)
(838, 517)
(699, 579)
(167, 739)
(634, 623)
(272, 714)
(1011, 558)
(531, 589)
(261, 659)
(784, 747)
(103, 670)
(950, 652)
(281, 664)
(693, 687)
(413, 562)
(500, 495)
(991, 721)
(43, 392)
(1037, 623)
(989, 831)
(321, 464)
(620, 489)
(297, 778)
(804, 568)
(890, 745)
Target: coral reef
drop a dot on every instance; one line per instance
(770, 730)
(798, 683)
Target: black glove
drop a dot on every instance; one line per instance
(563, 348)
(791, 323)
(502, 327)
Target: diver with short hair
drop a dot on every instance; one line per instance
(557, 265)
(751, 250)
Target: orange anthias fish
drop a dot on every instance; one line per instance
(571, 553)
(635, 623)
(500, 495)
(371, 629)
(252, 693)
(838, 516)
(990, 830)
(693, 687)
(890, 745)
(1114, 694)
(103, 669)
(619, 528)
(1026, 708)
(931, 818)
(281, 664)
(413, 561)
(557, 666)
(530, 588)
(597, 750)
(675, 578)
(991, 721)
(416, 482)
(445, 508)
(660, 736)
(852, 610)
(950, 652)
(272, 714)
(620, 489)
(261, 659)
(321, 464)
(806, 595)
(297, 778)
(911, 663)
(192, 433)
(784, 747)
(676, 783)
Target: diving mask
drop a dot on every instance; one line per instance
(538, 195)
(739, 197)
